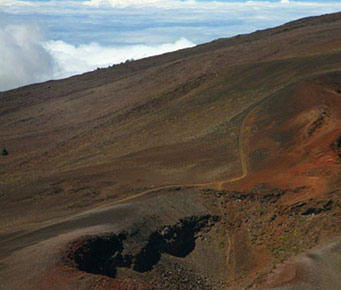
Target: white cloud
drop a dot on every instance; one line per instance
(72, 59)
(205, 4)
(23, 59)
(27, 58)
(14, 3)
(138, 3)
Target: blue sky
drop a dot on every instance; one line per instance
(75, 36)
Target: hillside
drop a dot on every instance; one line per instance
(214, 167)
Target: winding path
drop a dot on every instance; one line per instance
(217, 185)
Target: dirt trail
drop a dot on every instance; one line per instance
(242, 155)
(216, 185)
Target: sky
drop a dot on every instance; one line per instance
(44, 39)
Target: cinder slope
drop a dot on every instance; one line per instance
(249, 125)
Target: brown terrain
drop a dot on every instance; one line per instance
(215, 167)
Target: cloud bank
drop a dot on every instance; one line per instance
(23, 59)
(27, 58)
(70, 59)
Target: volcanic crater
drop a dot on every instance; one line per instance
(105, 253)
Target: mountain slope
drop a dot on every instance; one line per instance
(247, 127)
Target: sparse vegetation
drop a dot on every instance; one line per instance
(4, 152)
